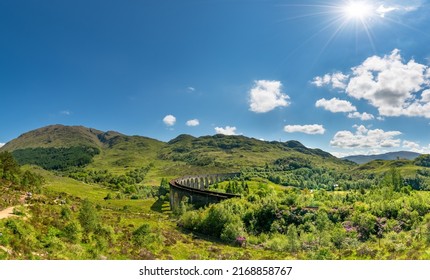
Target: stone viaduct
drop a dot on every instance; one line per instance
(195, 188)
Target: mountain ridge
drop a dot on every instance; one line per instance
(361, 159)
(216, 153)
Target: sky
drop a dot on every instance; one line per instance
(348, 77)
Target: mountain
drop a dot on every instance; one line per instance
(56, 136)
(59, 147)
(360, 159)
(61, 136)
(233, 152)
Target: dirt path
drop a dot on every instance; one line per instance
(6, 213)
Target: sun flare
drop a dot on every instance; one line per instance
(357, 10)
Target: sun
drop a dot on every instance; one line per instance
(358, 10)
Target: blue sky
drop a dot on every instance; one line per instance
(344, 76)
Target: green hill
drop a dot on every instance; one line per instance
(234, 152)
(56, 136)
(60, 147)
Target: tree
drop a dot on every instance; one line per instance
(88, 216)
(141, 235)
(293, 238)
(9, 168)
(393, 179)
(164, 187)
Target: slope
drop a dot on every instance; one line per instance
(119, 153)
(360, 159)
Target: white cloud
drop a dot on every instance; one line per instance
(194, 122)
(191, 89)
(382, 10)
(415, 147)
(362, 116)
(365, 138)
(399, 6)
(394, 87)
(410, 145)
(2, 144)
(266, 96)
(335, 105)
(308, 129)
(169, 120)
(355, 152)
(65, 112)
(335, 80)
(228, 130)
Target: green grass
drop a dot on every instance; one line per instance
(177, 243)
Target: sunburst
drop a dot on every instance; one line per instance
(358, 10)
(343, 16)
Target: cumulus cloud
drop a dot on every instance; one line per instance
(366, 138)
(2, 144)
(335, 80)
(335, 105)
(194, 122)
(410, 145)
(416, 147)
(362, 116)
(228, 130)
(394, 87)
(398, 6)
(266, 96)
(191, 89)
(308, 129)
(169, 120)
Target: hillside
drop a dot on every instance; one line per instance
(103, 190)
(185, 154)
(360, 159)
(234, 152)
(55, 136)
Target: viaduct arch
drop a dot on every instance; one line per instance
(196, 189)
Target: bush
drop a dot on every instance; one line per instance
(278, 243)
(141, 235)
(232, 229)
(191, 220)
(72, 232)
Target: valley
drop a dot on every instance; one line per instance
(104, 195)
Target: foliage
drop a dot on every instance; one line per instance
(9, 168)
(319, 224)
(88, 217)
(128, 183)
(56, 158)
(422, 160)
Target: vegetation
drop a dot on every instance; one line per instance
(88, 194)
(56, 158)
(320, 224)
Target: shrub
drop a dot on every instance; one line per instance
(232, 229)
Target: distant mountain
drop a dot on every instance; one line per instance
(360, 159)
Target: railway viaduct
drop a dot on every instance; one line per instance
(196, 189)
